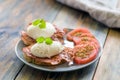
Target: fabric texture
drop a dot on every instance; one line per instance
(105, 11)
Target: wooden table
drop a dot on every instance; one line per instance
(16, 14)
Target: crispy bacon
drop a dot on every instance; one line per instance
(26, 39)
(66, 55)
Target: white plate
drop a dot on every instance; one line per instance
(58, 68)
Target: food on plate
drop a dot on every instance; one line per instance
(46, 50)
(65, 56)
(76, 33)
(85, 40)
(47, 30)
(45, 44)
(27, 39)
(85, 53)
(86, 45)
(34, 31)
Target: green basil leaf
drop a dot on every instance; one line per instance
(42, 24)
(48, 41)
(40, 40)
(36, 22)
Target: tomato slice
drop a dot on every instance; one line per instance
(76, 33)
(87, 35)
(86, 45)
(85, 53)
(84, 35)
(86, 40)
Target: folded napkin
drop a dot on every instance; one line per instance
(105, 11)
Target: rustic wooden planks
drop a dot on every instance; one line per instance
(76, 18)
(71, 19)
(109, 65)
(16, 16)
(13, 18)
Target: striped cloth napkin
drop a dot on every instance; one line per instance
(105, 11)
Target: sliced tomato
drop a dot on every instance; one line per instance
(84, 40)
(87, 35)
(85, 53)
(83, 36)
(76, 33)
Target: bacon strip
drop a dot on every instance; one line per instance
(66, 55)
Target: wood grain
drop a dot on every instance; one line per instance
(76, 19)
(72, 18)
(14, 16)
(109, 65)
